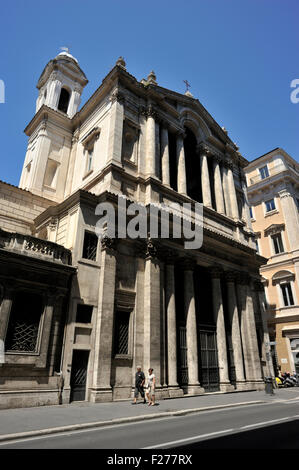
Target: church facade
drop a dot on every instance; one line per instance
(91, 309)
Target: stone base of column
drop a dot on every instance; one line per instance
(226, 387)
(256, 385)
(100, 395)
(242, 386)
(195, 390)
(175, 392)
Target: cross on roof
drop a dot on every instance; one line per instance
(187, 84)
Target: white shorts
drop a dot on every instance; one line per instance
(150, 389)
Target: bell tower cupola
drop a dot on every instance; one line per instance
(61, 84)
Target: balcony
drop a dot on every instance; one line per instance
(35, 247)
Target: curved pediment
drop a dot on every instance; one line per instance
(190, 118)
(282, 275)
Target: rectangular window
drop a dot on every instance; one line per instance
(89, 159)
(90, 246)
(251, 212)
(277, 243)
(122, 321)
(23, 327)
(287, 294)
(264, 172)
(257, 246)
(270, 205)
(84, 313)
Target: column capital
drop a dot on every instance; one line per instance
(258, 286)
(118, 96)
(147, 249)
(204, 149)
(180, 134)
(108, 244)
(242, 278)
(228, 164)
(169, 256)
(230, 276)
(188, 264)
(215, 271)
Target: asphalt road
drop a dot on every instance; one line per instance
(274, 425)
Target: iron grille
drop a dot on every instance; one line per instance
(122, 333)
(183, 367)
(90, 246)
(209, 373)
(22, 332)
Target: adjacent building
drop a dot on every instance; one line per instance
(93, 309)
(273, 193)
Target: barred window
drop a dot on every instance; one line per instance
(122, 320)
(90, 246)
(24, 321)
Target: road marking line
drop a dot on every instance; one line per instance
(188, 439)
(265, 422)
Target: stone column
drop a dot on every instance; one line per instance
(6, 298)
(151, 143)
(101, 383)
(152, 313)
(291, 217)
(50, 301)
(226, 191)
(182, 183)
(246, 205)
(165, 156)
(205, 178)
(218, 187)
(115, 128)
(173, 387)
(225, 384)
(191, 329)
(248, 332)
(232, 192)
(235, 330)
(259, 289)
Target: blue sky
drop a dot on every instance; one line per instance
(240, 57)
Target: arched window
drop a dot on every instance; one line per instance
(64, 100)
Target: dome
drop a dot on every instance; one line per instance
(66, 54)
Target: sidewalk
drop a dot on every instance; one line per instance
(51, 419)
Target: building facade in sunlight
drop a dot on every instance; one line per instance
(93, 309)
(273, 192)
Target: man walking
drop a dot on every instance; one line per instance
(139, 383)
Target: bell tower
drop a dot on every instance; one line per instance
(61, 84)
(50, 131)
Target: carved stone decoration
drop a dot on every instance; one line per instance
(118, 96)
(108, 243)
(129, 143)
(151, 249)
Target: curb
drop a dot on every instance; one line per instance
(130, 419)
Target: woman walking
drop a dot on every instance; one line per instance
(151, 383)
